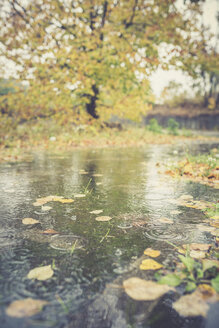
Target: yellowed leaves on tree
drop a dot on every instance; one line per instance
(150, 264)
(96, 212)
(151, 252)
(103, 218)
(144, 290)
(29, 221)
(191, 305)
(41, 273)
(25, 308)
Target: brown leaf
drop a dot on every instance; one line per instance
(29, 221)
(25, 308)
(191, 305)
(144, 290)
(50, 232)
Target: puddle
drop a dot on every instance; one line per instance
(90, 256)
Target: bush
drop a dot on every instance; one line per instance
(172, 127)
(154, 126)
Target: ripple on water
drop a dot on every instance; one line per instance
(170, 233)
(67, 242)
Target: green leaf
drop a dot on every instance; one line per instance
(215, 283)
(190, 286)
(170, 280)
(188, 262)
(200, 273)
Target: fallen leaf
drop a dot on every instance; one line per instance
(144, 290)
(79, 195)
(25, 308)
(151, 252)
(97, 175)
(50, 232)
(208, 293)
(197, 247)
(65, 200)
(197, 254)
(30, 221)
(98, 183)
(165, 220)
(46, 208)
(96, 212)
(191, 305)
(103, 218)
(41, 273)
(150, 264)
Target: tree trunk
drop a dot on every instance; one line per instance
(91, 106)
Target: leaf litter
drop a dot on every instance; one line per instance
(151, 252)
(150, 264)
(28, 221)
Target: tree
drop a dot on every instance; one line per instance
(91, 56)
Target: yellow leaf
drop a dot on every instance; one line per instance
(65, 200)
(149, 264)
(144, 290)
(96, 212)
(29, 221)
(25, 308)
(41, 273)
(103, 218)
(151, 252)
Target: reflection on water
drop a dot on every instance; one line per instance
(87, 255)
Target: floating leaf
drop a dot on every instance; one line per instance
(165, 220)
(65, 200)
(98, 183)
(191, 305)
(151, 252)
(150, 264)
(25, 308)
(46, 208)
(50, 232)
(143, 290)
(197, 247)
(79, 195)
(170, 280)
(97, 175)
(41, 273)
(186, 197)
(30, 221)
(215, 283)
(96, 212)
(103, 218)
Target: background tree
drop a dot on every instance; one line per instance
(92, 56)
